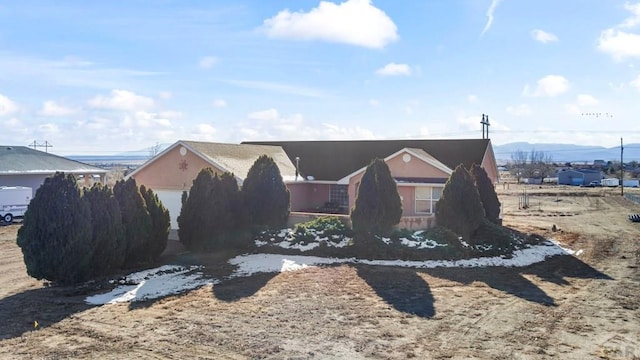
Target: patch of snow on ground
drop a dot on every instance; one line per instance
(151, 284)
(579, 252)
(420, 244)
(386, 240)
(302, 247)
(266, 263)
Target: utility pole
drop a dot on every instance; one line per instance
(621, 169)
(485, 124)
(46, 145)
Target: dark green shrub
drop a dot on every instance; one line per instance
(488, 195)
(225, 214)
(193, 228)
(378, 206)
(108, 233)
(266, 198)
(160, 224)
(136, 221)
(56, 236)
(459, 208)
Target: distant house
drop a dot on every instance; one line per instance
(578, 177)
(323, 176)
(23, 166)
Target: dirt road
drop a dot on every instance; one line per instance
(579, 307)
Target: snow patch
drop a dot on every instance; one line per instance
(420, 244)
(152, 284)
(266, 263)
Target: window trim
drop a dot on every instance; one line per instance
(430, 198)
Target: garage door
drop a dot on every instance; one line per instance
(172, 200)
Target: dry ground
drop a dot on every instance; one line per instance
(567, 307)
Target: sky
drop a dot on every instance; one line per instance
(112, 76)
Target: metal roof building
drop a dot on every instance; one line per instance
(23, 166)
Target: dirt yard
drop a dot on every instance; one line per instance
(569, 307)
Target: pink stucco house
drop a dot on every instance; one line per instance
(323, 176)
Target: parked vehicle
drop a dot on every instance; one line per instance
(594, 183)
(14, 201)
(631, 183)
(612, 182)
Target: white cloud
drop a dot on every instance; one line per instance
(219, 103)
(208, 62)
(490, 11)
(53, 109)
(586, 100)
(7, 106)
(355, 22)
(572, 109)
(550, 85)
(145, 120)
(122, 100)
(279, 88)
(621, 44)
(206, 129)
(472, 99)
(265, 115)
(543, 36)
(393, 69)
(374, 102)
(635, 83)
(519, 110)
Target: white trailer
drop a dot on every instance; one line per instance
(14, 201)
(631, 183)
(611, 182)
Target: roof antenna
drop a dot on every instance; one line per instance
(485, 124)
(297, 166)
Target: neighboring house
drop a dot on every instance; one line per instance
(172, 171)
(578, 177)
(23, 166)
(323, 176)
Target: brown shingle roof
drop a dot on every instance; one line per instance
(333, 160)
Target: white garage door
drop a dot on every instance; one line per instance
(172, 200)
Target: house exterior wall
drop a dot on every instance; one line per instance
(400, 168)
(169, 173)
(28, 180)
(489, 165)
(308, 195)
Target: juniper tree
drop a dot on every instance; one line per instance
(160, 224)
(487, 193)
(378, 206)
(266, 198)
(460, 208)
(108, 233)
(56, 236)
(193, 221)
(136, 220)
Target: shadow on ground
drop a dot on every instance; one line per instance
(46, 306)
(403, 289)
(511, 280)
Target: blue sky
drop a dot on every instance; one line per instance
(111, 76)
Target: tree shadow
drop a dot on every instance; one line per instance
(46, 306)
(401, 288)
(511, 280)
(241, 287)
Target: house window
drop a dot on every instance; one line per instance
(339, 195)
(426, 199)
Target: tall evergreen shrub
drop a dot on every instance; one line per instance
(460, 208)
(193, 222)
(488, 195)
(56, 235)
(135, 220)
(378, 206)
(160, 224)
(108, 232)
(266, 198)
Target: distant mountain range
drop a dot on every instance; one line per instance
(568, 152)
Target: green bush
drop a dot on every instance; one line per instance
(136, 221)
(108, 233)
(56, 235)
(488, 195)
(160, 224)
(460, 208)
(266, 198)
(194, 215)
(378, 206)
(225, 214)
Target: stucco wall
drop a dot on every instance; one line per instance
(489, 165)
(169, 173)
(407, 194)
(308, 195)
